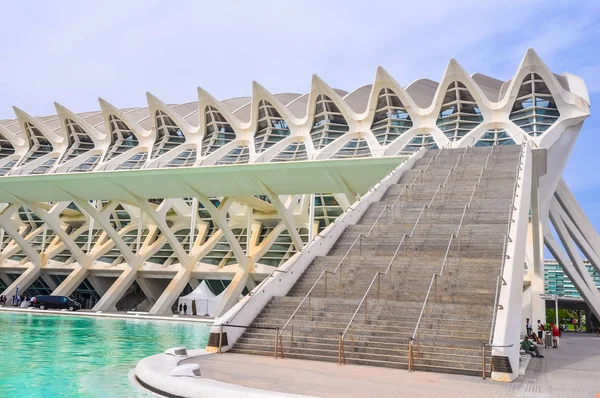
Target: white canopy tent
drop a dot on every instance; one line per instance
(204, 299)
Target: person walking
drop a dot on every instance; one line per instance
(180, 308)
(185, 309)
(528, 327)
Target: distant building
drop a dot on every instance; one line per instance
(557, 282)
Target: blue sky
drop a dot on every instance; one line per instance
(75, 51)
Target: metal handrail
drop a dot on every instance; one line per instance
(378, 274)
(347, 210)
(358, 238)
(500, 279)
(483, 356)
(440, 274)
(257, 288)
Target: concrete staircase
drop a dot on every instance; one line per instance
(457, 322)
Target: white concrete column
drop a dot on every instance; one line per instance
(23, 281)
(109, 300)
(7, 281)
(167, 298)
(152, 288)
(538, 305)
(100, 285)
(35, 258)
(71, 282)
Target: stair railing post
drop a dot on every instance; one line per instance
(276, 340)
(410, 355)
(435, 288)
(483, 360)
(292, 335)
(220, 338)
(341, 353)
(281, 345)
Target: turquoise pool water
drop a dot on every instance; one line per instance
(67, 356)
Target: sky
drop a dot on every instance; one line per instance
(73, 52)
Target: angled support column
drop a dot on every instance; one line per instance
(100, 285)
(48, 281)
(572, 249)
(152, 290)
(260, 250)
(178, 283)
(569, 267)
(5, 278)
(575, 213)
(51, 218)
(172, 292)
(36, 259)
(130, 257)
(161, 223)
(109, 300)
(194, 283)
(580, 240)
(242, 276)
(71, 282)
(286, 216)
(23, 281)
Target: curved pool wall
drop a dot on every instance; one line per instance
(71, 356)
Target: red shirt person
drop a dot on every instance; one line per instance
(555, 335)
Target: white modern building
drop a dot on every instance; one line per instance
(133, 207)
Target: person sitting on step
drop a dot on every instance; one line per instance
(530, 348)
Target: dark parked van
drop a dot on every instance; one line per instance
(55, 302)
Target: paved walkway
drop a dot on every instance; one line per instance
(572, 370)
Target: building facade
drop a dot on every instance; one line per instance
(556, 282)
(114, 204)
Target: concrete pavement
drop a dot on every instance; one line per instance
(572, 370)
